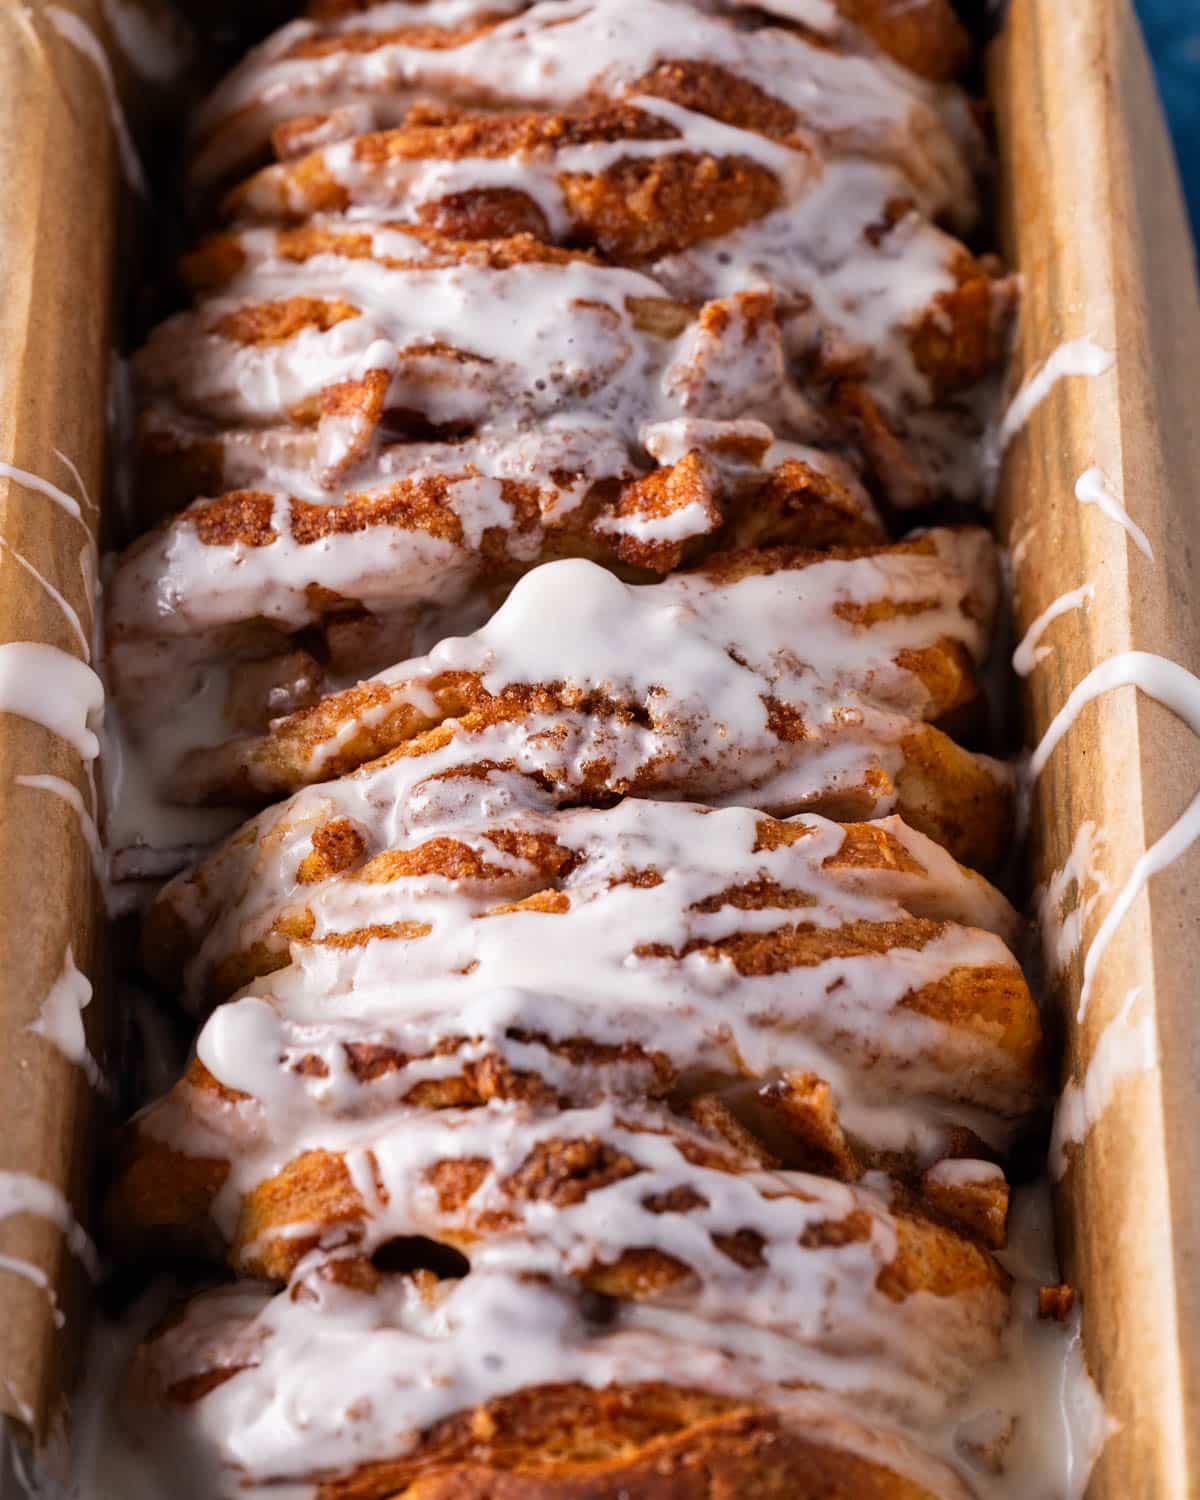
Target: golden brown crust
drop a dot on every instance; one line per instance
(566, 1443)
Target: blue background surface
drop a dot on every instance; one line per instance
(1172, 30)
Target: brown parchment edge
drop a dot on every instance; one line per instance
(1092, 216)
(58, 193)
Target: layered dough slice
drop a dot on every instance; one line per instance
(594, 177)
(286, 599)
(846, 990)
(496, 1386)
(880, 310)
(627, 1201)
(359, 71)
(588, 1099)
(779, 679)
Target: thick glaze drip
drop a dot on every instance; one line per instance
(51, 688)
(1092, 488)
(60, 1019)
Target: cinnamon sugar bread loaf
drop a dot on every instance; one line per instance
(610, 1045)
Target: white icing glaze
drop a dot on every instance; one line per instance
(855, 264)
(69, 612)
(700, 657)
(1177, 689)
(60, 1018)
(1029, 652)
(102, 1466)
(153, 40)
(555, 54)
(1088, 1423)
(703, 657)
(51, 688)
(147, 836)
(613, 636)
(818, 15)
(1020, 547)
(22, 1193)
(839, 287)
(464, 1339)
(42, 486)
(517, 973)
(27, 1271)
(23, 1408)
(74, 29)
(541, 337)
(1062, 1424)
(817, 1306)
(1075, 357)
(69, 465)
(173, 584)
(305, 1396)
(1062, 931)
(418, 181)
(1092, 488)
(957, 1172)
(1124, 1048)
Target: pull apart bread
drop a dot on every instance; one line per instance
(609, 1055)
